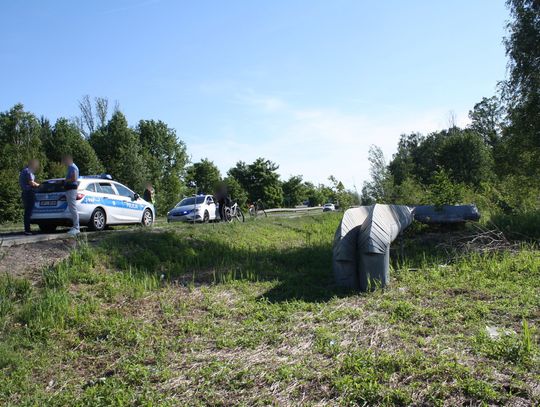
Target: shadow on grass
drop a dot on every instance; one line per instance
(302, 272)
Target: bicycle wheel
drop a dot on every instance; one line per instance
(228, 215)
(239, 215)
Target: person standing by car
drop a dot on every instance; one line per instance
(71, 183)
(28, 184)
(149, 193)
(222, 197)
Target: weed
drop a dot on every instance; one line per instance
(509, 346)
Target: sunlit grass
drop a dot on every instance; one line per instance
(248, 314)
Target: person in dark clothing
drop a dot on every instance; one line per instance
(222, 198)
(148, 194)
(28, 184)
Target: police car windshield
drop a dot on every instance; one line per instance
(191, 201)
(49, 187)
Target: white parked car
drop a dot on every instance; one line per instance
(200, 208)
(100, 202)
(328, 207)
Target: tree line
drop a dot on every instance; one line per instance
(101, 141)
(495, 161)
(248, 183)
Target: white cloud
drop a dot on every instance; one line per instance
(316, 142)
(264, 102)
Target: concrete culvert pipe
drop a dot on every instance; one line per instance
(361, 253)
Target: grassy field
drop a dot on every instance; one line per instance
(247, 314)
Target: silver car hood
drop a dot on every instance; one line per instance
(185, 208)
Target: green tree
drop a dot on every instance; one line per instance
(205, 174)
(426, 155)
(65, 138)
(165, 157)
(409, 192)
(342, 197)
(236, 192)
(260, 180)
(294, 191)
(94, 115)
(487, 120)
(463, 154)
(521, 151)
(119, 149)
(443, 191)
(19, 141)
(403, 162)
(518, 194)
(314, 194)
(466, 158)
(169, 193)
(379, 189)
(326, 193)
(19, 138)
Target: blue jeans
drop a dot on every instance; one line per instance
(29, 199)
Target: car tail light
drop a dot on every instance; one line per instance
(80, 196)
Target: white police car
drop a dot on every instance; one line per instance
(200, 208)
(100, 202)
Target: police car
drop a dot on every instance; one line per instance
(199, 208)
(100, 202)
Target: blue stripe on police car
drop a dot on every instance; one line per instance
(96, 200)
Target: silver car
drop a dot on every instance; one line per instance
(200, 208)
(100, 202)
(329, 207)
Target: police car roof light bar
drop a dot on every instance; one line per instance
(100, 176)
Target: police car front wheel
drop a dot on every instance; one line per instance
(98, 220)
(147, 218)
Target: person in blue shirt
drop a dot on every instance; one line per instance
(71, 183)
(28, 184)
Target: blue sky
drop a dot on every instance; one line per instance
(307, 84)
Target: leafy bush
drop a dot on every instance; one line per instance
(524, 225)
(443, 191)
(10, 196)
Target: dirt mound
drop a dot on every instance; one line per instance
(29, 259)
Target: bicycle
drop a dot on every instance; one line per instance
(233, 213)
(256, 209)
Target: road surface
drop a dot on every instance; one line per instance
(17, 238)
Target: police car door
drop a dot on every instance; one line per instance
(129, 210)
(109, 199)
(212, 209)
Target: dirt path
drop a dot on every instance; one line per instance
(28, 260)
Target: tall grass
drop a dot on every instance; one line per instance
(521, 226)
